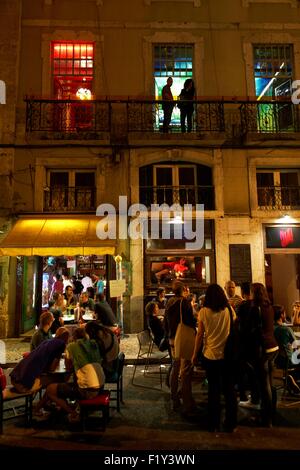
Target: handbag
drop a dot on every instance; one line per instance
(184, 340)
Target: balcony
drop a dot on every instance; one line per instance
(226, 122)
(178, 195)
(65, 199)
(278, 198)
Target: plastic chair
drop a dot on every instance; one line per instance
(10, 394)
(117, 379)
(148, 354)
(98, 403)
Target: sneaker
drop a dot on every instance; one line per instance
(292, 385)
(249, 404)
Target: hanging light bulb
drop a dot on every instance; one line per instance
(84, 94)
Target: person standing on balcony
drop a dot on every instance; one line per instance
(185, 104)
(168, 104)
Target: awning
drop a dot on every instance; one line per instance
(55, 236)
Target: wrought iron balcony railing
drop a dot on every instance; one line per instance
(68, 117)
(178, 195)
(74, 119)
(274, 117)
(65, 199)
(278, 197)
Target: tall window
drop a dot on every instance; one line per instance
(70, 190)
(72, 69)
(183, 183)
(273, 69)
(278, 188)
(172, 60)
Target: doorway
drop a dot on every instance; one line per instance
(282, 277)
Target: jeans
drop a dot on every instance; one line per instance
(220, 378)
(186, 114)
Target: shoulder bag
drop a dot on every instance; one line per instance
(184, 340)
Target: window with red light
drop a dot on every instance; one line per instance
(72, 67)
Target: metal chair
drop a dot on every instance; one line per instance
(117, 379)
(149, 354)
(287, 370)
(10, 394)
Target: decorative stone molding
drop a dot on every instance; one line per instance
(267, 38)
(68, 35)
(293, 3)
(176, 38)
(197, 3)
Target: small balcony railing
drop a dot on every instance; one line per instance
(278, 197)
(273, 117)
(178, 195)
(76, 199)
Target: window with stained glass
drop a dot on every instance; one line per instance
(72, 68)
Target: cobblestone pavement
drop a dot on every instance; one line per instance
(147, 422)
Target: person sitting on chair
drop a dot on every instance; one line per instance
(154, 324)
(285, 338)
(44, 331)
(108, 345)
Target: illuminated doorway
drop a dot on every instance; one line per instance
(176, 61)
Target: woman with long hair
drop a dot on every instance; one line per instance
(263, 349)
(213, 330)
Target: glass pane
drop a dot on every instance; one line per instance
(186, 176)
(85, 179)
(189, 269)
(59, 178)
(264, 179)
(289, 179)
(164, 176)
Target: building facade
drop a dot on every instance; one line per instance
(83, 122)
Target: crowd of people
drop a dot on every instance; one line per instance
(262, 339)
(91, 359)
(76, 297)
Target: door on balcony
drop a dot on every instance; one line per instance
(70, 190)
(273, 75)
(176, 61)
(175, 184)
(72, 75)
